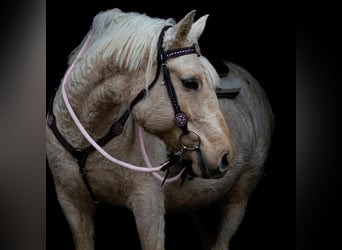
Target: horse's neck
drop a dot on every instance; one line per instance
(101, 106)
(97, 107)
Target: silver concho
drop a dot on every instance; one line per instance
(180, 119)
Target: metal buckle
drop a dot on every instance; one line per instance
(185, 146)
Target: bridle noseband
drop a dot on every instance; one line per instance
(116, 129)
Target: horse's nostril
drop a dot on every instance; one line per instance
(224, 163)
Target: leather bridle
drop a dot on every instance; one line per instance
(180, 118)
(162, 57)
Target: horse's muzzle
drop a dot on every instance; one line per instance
(209, 172)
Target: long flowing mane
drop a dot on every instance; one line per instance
(126, 40)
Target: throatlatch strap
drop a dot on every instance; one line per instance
(119, 124)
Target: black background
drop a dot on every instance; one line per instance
(257, 36)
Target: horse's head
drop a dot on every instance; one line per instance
(186, 84)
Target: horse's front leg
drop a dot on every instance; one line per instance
(79, 214)
(233, 209)
(147, 205)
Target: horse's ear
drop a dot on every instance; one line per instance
(181, 30)
(198, 27)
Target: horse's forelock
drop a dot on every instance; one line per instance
(209, 72)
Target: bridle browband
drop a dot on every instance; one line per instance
(116, 129)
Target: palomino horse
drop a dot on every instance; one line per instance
(137, 80)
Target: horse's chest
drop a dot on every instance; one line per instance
(194, 195)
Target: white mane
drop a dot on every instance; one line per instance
(125, 39)
(128, 40)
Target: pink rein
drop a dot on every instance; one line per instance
(98, 147)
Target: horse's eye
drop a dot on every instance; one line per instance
(190, 83)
